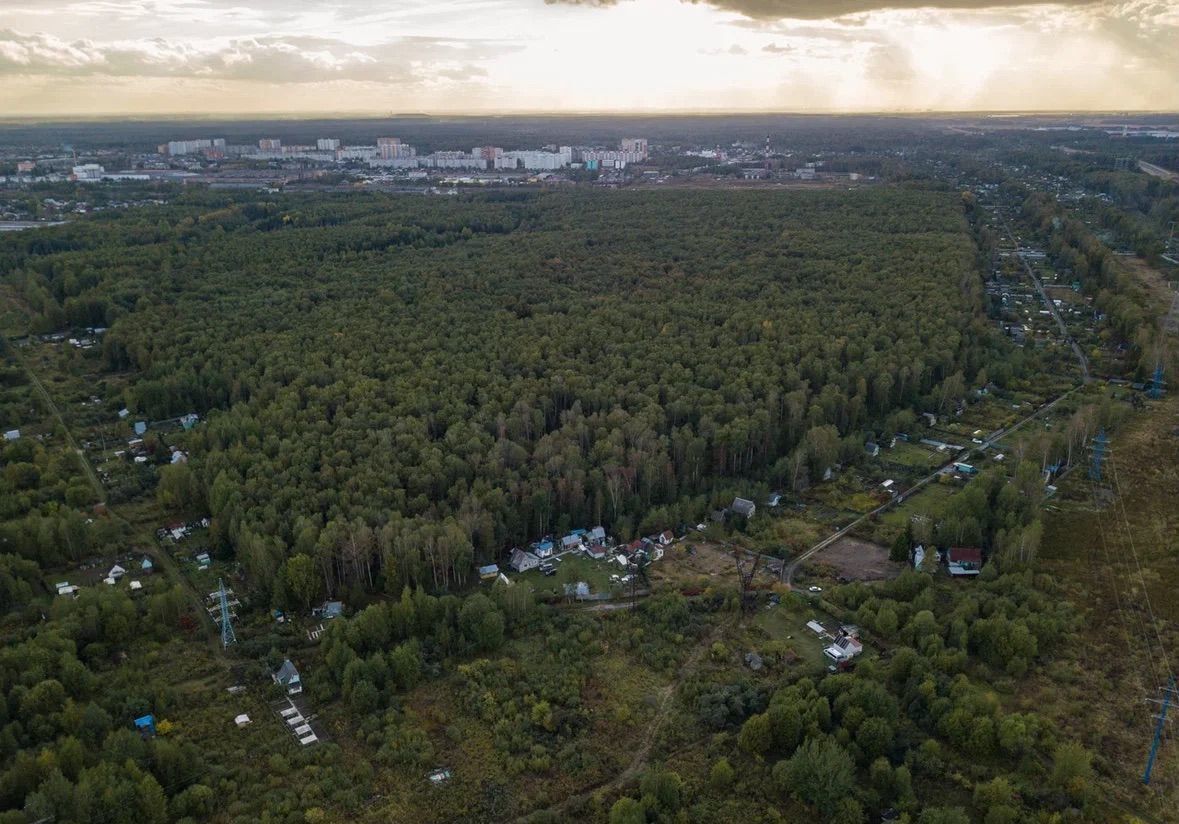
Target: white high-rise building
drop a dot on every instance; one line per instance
(541, 160)
(635, 145)
(389, 148)
(186, 147)
(327, 144)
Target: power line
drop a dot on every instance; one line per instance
(1169, 694)
(1142, 578)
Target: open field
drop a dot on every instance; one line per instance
(1118, 561)
(858, 560)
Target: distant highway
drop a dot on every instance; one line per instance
(1157, 171)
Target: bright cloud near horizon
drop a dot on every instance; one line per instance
(93, 57)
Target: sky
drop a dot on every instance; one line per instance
(154, 57)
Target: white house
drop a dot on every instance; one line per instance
(844, 648)
(116, 572)
(918, 556)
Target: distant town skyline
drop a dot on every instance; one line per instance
(194, 57)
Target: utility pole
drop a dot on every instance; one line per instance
(1169, 694)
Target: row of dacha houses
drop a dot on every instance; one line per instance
(594, 543)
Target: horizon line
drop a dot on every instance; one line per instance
(369, 114)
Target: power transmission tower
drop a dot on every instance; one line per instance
(1100, 450)
(1170, 693)
(1156, 383)
(745, 573)
(227, 634)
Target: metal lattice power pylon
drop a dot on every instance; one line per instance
(1100, 450)
(227, 635)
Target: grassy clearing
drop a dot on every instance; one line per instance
(1118, 567)
(913, 455)
(572, 567)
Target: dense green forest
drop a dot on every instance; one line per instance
(401, 386)
(393, 389)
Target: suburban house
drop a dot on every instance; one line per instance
(329, 610)
(146, 566)
(66, 588)
(489, 572)
(140, 427)
(116, 572)
(543, 549)
(570, 542)
(596, 551)
(288, 677)
(12, 435)
(743, 507)
(774, 500)
(872, 449)
(523, 561)
(964, 560)
(918, 556)
(965, 469)
(665, 538)
(845, 647)
(597, 536)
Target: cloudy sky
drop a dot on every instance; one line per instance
(279, 56)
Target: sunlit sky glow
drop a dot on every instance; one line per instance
(85, 57)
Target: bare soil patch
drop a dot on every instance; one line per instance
(859, 560)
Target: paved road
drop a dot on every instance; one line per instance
(1157, 171)
(1082, 361)
(789, 569)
